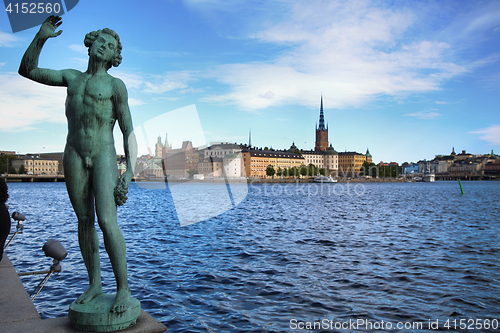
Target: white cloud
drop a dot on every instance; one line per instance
(6, 39)
(449, 103)
(131, 80)
(352, 51)
(424, 114)
(79, 48)
(483, 19)
(3, 64)
(81, 63)
(157, 84)
(490, 134)
(24, 103)
(160, 84)
(135, 102)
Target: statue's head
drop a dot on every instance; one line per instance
(91, 37)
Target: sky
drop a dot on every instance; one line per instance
(406, 79)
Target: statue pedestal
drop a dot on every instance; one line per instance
(95, 316)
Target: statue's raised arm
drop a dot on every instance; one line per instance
(29, 63)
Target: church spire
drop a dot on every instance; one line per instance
(249, 137)
(321, 130)
(321, 116)
(167, 145)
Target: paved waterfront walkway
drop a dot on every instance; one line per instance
(18, 314)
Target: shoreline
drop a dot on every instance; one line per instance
(60, 178)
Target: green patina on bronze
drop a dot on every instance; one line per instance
(95, 101)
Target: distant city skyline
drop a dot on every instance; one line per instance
(407, 80)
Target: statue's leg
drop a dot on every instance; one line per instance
(105, 179)
(79, 186)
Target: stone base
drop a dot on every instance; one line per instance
(96, 316)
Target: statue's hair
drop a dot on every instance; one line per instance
(92, 36)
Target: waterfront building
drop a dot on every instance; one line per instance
(153, 169)
(492, 168)
(178, 162)
(211, 167)
(350, 163)
(256, 161)
(7, 152)
(58, 156)
(161, 149)
(232, 166)
(463, 156)
(323, 156)
(466, 169)
(410, 169)
(327, 160)
(213, 161)
(35, 165)
(332, 161)
(437, 166)
(369, 157)
(316, 158)
(222, 149)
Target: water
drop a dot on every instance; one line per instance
(402, 252)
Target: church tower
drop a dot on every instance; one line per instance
(321, 131)
(159, 148)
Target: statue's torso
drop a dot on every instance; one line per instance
(91, 114)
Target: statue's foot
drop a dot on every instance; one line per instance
(92, 292)
(121, 303)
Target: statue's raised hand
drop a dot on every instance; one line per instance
(48, 28)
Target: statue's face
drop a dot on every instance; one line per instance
(104, 48)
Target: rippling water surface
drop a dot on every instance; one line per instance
(403, 252)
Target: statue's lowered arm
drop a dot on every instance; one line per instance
(129, 141)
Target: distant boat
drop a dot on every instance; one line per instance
(429, 177)
(324, 179)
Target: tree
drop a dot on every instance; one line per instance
(369, 169)
(192, 172)
(303, 170)
(312, 170)
(5, 164)
(270, 170)
(297, 151)
(293, 172)
(22, 170)
(279, 172)
(322, 172)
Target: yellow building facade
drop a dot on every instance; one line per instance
(37, 166)
(256, 161)
(350, 163)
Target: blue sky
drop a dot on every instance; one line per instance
(406, 79)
